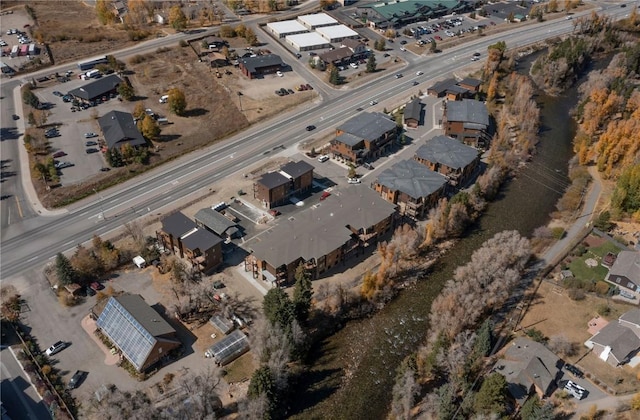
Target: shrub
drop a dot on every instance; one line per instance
(575, 294)
(558, 232)
(46, 370)
(579, 250)
(603, 309)
(183, 43)
(536, 335)
(602, 288)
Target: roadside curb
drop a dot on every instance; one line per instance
(25, 169)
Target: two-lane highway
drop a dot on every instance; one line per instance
(175, 181)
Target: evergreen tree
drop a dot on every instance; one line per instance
(371, 64)
(126, 91)
(262, 384)
(491, 397)
(302, 294)
(278, 308)
(334, 75)
(482, 345)
(64, 269)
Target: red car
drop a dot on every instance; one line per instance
(438, 38)
(324, 195)
(96, 286)
(59, 154)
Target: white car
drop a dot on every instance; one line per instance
(323, 158)
(279, 74)
(90, 135)
(60, 345)
(353, 65)
(354, 181)
(373, 102)
(419, 73)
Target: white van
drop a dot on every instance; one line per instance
(163, 99)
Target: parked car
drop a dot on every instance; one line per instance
(105, 169)
(77, 379)
(354, 181)
(89, 291)
(279, 74)
(90, 135)
(353, 65)
(323, 158)
(58, 93)
(96, 286)
(55, 348)
(59, 153)
(92, 150)
(218, 284)
(574, 370)
(90, 143)
(367, 166)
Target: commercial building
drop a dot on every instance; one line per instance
(286, 27)
(344, 224)
(412, 186)
(140, 333)
(119, 128)
(307, 42)
(201, 248)
(97, 88)
(259, 65)
(395, 14)
(337, 33)
(317, 20)
(449, 157)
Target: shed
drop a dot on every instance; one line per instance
(223, 324)
(139, 262)
(229, 348)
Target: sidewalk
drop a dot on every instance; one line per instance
(89, 326)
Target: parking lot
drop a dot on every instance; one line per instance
(71, 129)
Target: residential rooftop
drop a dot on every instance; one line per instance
(368, 125)
(447, 151)
(412, 178)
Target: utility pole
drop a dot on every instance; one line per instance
(240, 100)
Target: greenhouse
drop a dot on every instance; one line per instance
(229, 348)
(224, 325)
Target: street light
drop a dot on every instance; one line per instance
(240, 100)
(100, 204)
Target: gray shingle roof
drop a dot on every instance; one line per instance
(177, 224)
(321, 228)
(97, 87)
(119, 128)
(447, 151)
(633, 316)
(146, 316)
(273, 179)
(349, 139)
(368, 125)
(201, 239)
(469, 81)
(628, 265)
(442, 86)
(413, 109)
(621, 339)
(261, 61)
(412, 178)
(214, 220)
(296, 169)
(469, 111)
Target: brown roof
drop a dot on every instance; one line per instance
(336, 55)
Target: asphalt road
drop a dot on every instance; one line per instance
(18, 396)
(33, 241)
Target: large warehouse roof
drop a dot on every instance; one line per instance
(307, 40)
(287, 27)
(336, 31)
(317, 19)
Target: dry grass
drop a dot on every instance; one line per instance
(553, 313)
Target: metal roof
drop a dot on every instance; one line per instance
(287, 27)
(412, 178)
(307, 40)
(214, 220)
(119, 128)
(468, 111)
(223, 324)
(368, 125)
(447, 151)
(394, 9)
(260, 61)
(97, 87)
(322, 228)
(229, 348)
(336, 31)
(317, 19)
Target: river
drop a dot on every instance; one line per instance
(374, 347)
